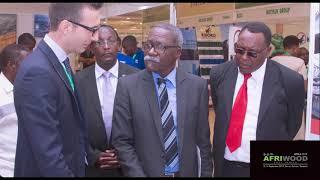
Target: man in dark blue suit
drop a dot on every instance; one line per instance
(51, 129)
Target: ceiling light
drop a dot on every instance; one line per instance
(127, 18)
(143, 7)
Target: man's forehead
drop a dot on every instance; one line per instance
(106, 32)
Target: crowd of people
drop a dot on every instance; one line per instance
(132, 112)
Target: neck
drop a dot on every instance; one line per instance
(288, 51)
(165, 73)
(57, 37)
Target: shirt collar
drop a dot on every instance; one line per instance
(286, 53)
(5, 83)
(171, 77)
(258, 74)
(114, 70)
(58, 51)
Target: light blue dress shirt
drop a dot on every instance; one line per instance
(171, 89)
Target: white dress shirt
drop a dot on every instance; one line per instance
(8, 128)
(254, 90)
(107, 85)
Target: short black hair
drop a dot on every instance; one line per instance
(290, 41)
(129, 40)
(68, 11)
(11, 53)
(259, 27)
(26, 38)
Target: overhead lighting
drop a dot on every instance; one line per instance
(127, 18)
(115, 29)
(143, 7)
(140, 23)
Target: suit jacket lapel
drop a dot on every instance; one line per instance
(149, 91)
(56, 64)
(93, 92)
(182, 95)
(269, 82)
(61, 73)
(231, 79)
(122, 71)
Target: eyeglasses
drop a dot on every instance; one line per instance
(158, 47)
(241, 51)
(102, 43)
(91, 29)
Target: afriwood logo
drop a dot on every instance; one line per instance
(295, 160)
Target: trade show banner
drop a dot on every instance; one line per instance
(189, 60)
(234, 32)
(313, 99)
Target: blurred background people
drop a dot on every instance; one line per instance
(87, 57)
(27, 41)
(303, 53)
(10, 60)
(289, 57)
(132, 54)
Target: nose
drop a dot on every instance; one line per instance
(106, 46)
(152, 52)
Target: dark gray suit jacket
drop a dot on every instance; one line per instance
(137, 132)
(88, 94)
(51, 128)
(280, 113)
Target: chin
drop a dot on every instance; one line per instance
(150, 67)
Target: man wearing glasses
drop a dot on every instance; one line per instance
(254, 98)
(51, 128)
(160, 125)
(97, 88)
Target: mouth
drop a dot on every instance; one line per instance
(244, 66)
(107, 55)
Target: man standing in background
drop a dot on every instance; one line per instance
(291, 60)
(131, 54)
(97, 86)
(10, 60)
(51, 129)
(27, 41)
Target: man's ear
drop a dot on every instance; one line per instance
(65, 26)
(179, 52)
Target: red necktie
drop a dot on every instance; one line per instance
(238, 114)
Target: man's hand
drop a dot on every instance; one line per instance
(108, 160)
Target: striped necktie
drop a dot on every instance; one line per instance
(168, 129)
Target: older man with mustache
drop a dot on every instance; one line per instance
(160, 123)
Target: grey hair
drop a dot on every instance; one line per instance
(174, 30)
